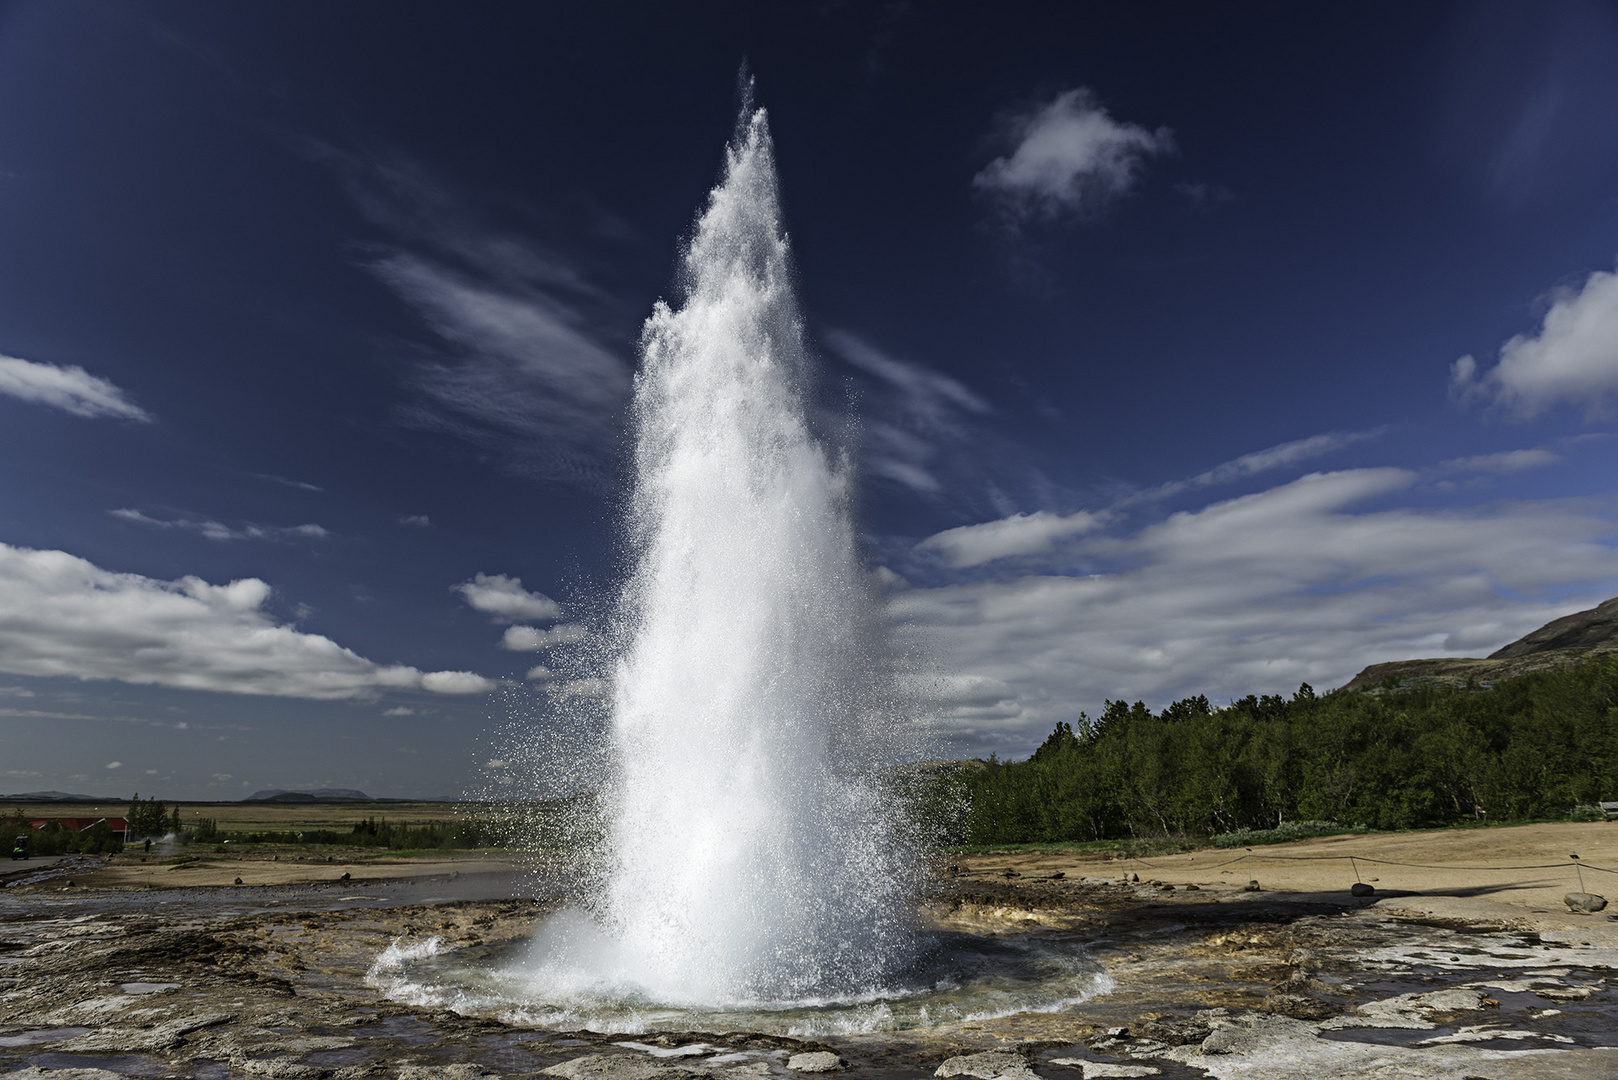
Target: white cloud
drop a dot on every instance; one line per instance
(417, 521)
(214, 530)
(61, 615)
(1070, 157)
(1507, 461)
(1301, 582)
(71, 389)
(1572, 358)
(528, 639)
(115, 765)
(504, 598)
(399, 710)
(1018, 535)
(1259, 461)
(538, 673)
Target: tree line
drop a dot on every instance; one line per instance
(1402, 755)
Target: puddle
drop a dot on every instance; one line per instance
(126, 1064)
(44, 1035)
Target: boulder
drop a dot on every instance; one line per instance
(1585, 902)
(1360, 888)
(817, 1061)
(988, 1065)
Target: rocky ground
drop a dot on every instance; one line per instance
(115, 975)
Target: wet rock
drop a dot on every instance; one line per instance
(988, 1065)
(818, 1061)
(1227, 1041)
(139, 1040)
(620, 1067)
(285, 1067)
(1587, 903)
(1096, 1069)
(463, 1070)
(1177, 1032)
(1304, 959)
(1297, 1006)
(1360, 888)
(33, 1072)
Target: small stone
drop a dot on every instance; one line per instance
(1056, 875)
(1009, 872)
(818, 1061)
(343, 878)
(1228, 1041)
(238, 881)
(1588, 903)
(1193, 888)
(1252, 886)
(1118, 1032)
(988, 1065)
(1360, 888)
(1135, 878)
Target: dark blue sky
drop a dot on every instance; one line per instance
(1153, 317)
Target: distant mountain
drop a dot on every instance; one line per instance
(322, 795)
(1558, 643)
(55, 796)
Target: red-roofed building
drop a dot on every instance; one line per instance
(120, 826)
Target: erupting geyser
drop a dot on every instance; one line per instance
(749, 860)
(756, 877)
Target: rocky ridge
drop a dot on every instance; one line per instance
(1558, 643)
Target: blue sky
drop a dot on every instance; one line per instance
(1192, 348)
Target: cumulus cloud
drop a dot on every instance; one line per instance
(917, 411)
(506, 600)
(70, 388)
(61, 615)
(1307, 581)
(115, 765)
(1069, 157)
(1571, 359)
(416, 521)
(528, 639)
(214, 530)
(539, 673)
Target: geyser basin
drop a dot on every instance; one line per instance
(587, 985)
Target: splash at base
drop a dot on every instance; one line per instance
(573, 977)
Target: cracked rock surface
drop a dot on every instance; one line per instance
(272, 982)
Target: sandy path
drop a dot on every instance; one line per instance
(1323, 866)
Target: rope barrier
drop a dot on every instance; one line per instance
(1576, 864)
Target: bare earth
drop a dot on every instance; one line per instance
(139, 968)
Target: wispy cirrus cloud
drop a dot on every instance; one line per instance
(520, 362)
(916, 413)
(1572, 358)
(216, 530)
(69, 388)
(1068, 158)
(61, 615)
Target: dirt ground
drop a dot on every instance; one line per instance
(1454, 871)
(138, 968)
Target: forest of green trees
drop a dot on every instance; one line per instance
(1536, 746)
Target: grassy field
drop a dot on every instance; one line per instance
(238, 817)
